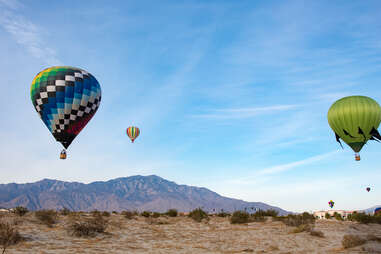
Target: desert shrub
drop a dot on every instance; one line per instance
(350, 241)
(302, 228)
(64, 211)
(172, 212)
(198, 215)
(88, 226)
(362, 218)
(338, 216)
(297, 220)
(20, 210)
(128, 214)
(106, 214)
(146, 214)
(95, 213)
(272, 213)
(114, 212)
(327, 216)
(8, 235)
(317, 233)
(223, 214)
(156, 215)
(239, 217)
(47, 217)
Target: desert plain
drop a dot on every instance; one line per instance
(183, 235)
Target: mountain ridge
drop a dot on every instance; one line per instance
(124, 193)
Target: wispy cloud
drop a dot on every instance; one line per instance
(26, 33)
(231, 113)
(264, 173)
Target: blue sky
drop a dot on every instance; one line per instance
(229, 95)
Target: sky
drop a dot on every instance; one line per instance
(229, 95)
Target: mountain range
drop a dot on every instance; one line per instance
(151, 193)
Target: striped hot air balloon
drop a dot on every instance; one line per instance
(133, 132)
(355, 120)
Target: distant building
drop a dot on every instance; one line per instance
(343, 213)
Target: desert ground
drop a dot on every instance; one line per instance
(183, 235)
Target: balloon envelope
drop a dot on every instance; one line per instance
(133, 132)
(66, 98)
(354, 119)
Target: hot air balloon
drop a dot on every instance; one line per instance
(355, 120)
(368, 189)
(66, 98)
(331, 203)
(377, 211)
(133, 132)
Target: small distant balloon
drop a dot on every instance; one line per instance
(368, 189)
(331, 203)
(133, 132)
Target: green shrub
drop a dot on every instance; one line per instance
(20, 210)
(172, 212)
(239, 217)
(338, 216)
(198, 215)
(363, 218)
(327, 216)
(297, 220)
(47, 217)
(146, 214)
(272, 213)
(350, 241)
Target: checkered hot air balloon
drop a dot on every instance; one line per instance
(133, 132)
(66, 98)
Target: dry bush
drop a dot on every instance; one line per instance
(223, 214)
(156, 215)
(106, 214)
(64, 211)
(198, 215)
(88, 227)
(146, 214)
(172, 213)
(155, 221)
(239, 217)
(20, 210)
(128, 214)
(8, 235)
(350, 241)
(302, 228)
(297, 220)
(47, 217)
(257, 217)
(317, 233)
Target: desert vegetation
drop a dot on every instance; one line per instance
(46, 231)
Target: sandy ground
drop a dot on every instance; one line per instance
(183, 235)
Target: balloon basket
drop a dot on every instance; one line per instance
(63, 154)
(357, 157)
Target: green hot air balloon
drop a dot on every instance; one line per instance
(355, 120)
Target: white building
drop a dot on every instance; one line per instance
(343, 213)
